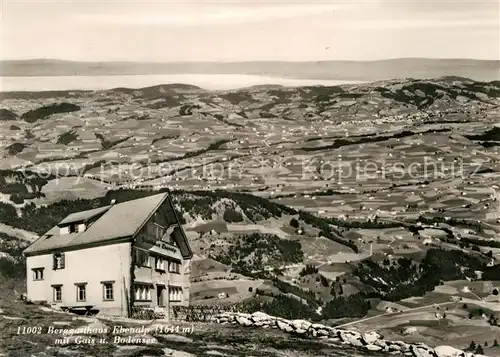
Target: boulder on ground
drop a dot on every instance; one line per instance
(175, 353)
(422, 350)
(242, 320)
(371, 337)
(352, 338)
(283, 326)
(373, 347)
(259, 316)
(300, 324)
(448, 351)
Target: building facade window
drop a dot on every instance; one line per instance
(107, 290)
(142, 258)
(174, 293)
(174, 267)
(159, 231)
(73, 228)
(58, 260)
(81, 291)
(142, 292)
(57, 293)
(38, 273)
(160, 263)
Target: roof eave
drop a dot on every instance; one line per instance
(149, 216)
(189, 253)
(77, 246)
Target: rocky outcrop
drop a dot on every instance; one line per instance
(372, 341)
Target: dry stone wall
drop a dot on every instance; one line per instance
(372, 341)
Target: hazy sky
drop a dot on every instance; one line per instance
(239, 31)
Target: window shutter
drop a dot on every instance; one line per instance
(54, 262)
(62, 260)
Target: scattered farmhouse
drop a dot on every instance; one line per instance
(113, 259)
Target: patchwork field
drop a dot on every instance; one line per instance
(373, 204)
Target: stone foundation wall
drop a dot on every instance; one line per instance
(372, 341)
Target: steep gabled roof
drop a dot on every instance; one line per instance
(121, 220)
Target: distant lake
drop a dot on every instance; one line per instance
(206, 81)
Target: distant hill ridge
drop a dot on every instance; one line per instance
(483, 70)
(418, 92)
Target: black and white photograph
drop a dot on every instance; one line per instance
(268, 178)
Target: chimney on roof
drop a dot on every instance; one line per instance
(113, 201)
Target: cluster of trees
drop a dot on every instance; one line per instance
(6, 114)
(197, 205)
(308, 270)
(405, 279)
(18, 190)
(491, 273)
(254, 251)
(294, 223)
(15, 148)
(492, 89)
(493, 320)
(402, 95)
(43, 112)
(291, 307)
(477, 348)
(221, 118)
(326, 229)
(41, 219)
(481, 242)
(19, 198)
(255, 208)
(164, 137)
(67, 137)
(187, 109)
(237, 97)
(323, 280)
(307, 295)
(368, 224)
(384, 278)
(434, 91)
(355, 305)
(108, 144)
(312, 270)
(214, 146)
(367, 139)
(13, 267)
(231, 215)
(166, 102)
(93, 165)
(491, 135)
(336, 289)
(22, 185)
(475, 225)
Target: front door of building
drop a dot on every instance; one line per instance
(160, 295)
